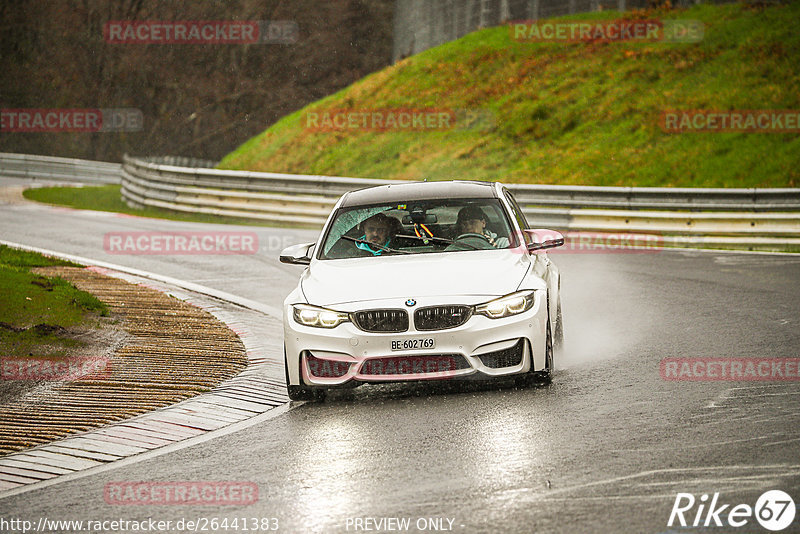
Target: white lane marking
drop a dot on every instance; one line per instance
(718, 402)
(710, 481)
(702, 445)
(754, 419)
(767, 395)
(190, 286)
(759, 387)
(675, 470)
(782, 442)
(611, 498)
(741, 481)
(783, 471)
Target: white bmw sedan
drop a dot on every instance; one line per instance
(422, 281)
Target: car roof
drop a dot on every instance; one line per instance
(410, 191)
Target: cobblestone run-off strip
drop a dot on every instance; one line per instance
(177, 352)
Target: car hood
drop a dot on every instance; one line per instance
(490, 273)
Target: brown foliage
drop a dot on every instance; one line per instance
(197, 100)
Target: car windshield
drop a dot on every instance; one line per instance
(418, 227)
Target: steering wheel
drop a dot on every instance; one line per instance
(471, 234)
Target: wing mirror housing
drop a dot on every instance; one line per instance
(297, 254)
(542, 238)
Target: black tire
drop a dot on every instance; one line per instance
(543, 376)
(300, 393)
(305, 393)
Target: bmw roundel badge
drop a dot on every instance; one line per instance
(411, 302)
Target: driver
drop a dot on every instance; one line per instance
(377, 229)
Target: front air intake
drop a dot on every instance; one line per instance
(441, 317)
(381, 320)
(509, 357)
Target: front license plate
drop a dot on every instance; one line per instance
(414, 344)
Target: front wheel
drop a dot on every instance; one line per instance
(542, 376)
(545, 375)
(305, 393)
(302, 392)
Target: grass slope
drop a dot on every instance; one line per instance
(568, 113)
(35, 309)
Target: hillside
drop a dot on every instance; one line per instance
(568, 113)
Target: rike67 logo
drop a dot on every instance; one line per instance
(774, 510)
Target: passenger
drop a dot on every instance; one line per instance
(472, 233)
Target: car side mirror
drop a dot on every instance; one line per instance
(543, 239)
(297, 254)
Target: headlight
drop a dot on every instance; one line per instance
(308, 315)
(512, 304)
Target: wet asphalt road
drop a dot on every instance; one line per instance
(605, 448)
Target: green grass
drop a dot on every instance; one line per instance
(100, 198)
(568, 113)
(23, 259)
(35, 309)
(109, 198)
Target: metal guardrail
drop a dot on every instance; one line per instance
(181, 161)
(731, 218)
(659, 198)
(544, 196)
(59, 169)
(723, 218)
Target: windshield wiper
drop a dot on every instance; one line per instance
(439, 240)
(371, 244)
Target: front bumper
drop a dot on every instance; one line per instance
(480, 348)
